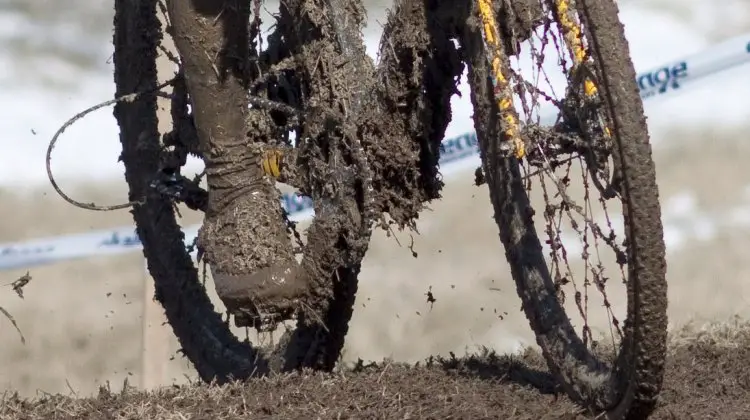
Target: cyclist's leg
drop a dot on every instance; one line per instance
(244, 236)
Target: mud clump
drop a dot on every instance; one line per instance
(417, 75)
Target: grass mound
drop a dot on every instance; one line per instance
(707, 378)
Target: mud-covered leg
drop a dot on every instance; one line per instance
(243, 236)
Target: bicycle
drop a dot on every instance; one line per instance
(363, 140)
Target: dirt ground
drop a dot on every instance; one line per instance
(706, 379)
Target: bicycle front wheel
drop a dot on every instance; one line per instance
(597, 148)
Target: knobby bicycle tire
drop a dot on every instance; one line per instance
(205, 339)
(627, 389)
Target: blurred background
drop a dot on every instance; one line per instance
(83, 319)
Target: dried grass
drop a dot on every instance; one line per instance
(706, 378)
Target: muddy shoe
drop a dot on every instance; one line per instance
(265, 298)
(249, 250)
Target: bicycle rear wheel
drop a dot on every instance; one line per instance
(600, 135)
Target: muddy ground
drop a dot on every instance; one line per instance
(707, 378)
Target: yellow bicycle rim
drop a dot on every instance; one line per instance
(503, 91)
(572, 34)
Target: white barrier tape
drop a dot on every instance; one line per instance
(656, 82)
(720, 57)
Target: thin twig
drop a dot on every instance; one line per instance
(131, 97)
(173, 58)
(13, 321)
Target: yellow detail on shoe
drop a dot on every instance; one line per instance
(272, 161)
